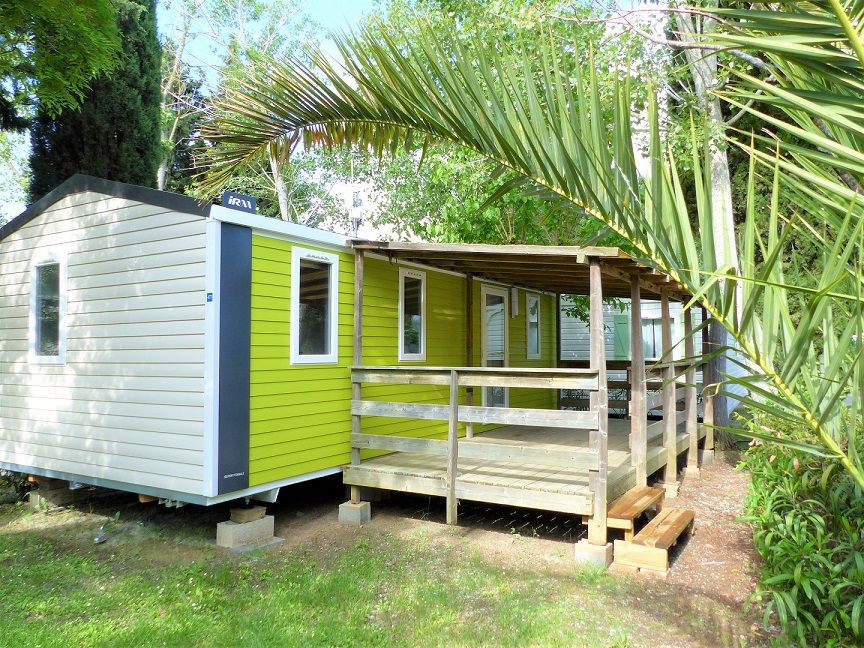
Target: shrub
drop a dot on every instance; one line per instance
(808, 526)
(13, 482)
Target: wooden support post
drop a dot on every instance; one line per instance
(452, 447)
(708, 378)
(638, 405)
(690, 397)
(670, 427)
(469, 345)
(599, 438)
(356, 387)
(557, 344)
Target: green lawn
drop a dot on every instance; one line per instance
(158, 585)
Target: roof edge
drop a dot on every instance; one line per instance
(80, 183)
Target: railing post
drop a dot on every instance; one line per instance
(707, 398)
(356, 387)
(599, 438)
(638, 405)
(690, 398)
(670, 427)
(469, 345)
(452, 447)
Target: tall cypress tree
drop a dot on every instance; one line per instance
(115, 132)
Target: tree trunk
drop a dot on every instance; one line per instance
(703, 66)
(276, 163)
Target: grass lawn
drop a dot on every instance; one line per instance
(160, 580)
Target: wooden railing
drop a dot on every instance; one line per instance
(592, 459)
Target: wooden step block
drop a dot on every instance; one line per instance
(635, 501)
(649, 549)
(630, 554)
(624, 511)
(664, 530)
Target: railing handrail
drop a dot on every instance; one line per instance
(521, 370)
(528, 377)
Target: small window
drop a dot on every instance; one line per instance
(412, 315)
(47, 311)
(314, 307)
(532, 315)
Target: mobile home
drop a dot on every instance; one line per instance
(201, 354)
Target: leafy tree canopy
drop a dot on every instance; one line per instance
(50, 50)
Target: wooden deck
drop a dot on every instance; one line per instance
(550, 488)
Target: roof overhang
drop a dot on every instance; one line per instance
(555, 269)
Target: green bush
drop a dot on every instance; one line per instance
(12, 482)
(808, 526)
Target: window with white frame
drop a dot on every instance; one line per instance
(314, 307)
(532, 317)
(48, 310)
(412, 315)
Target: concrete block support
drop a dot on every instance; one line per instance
(671, 488)
(593, 554)
(246, 535)
(355, 513)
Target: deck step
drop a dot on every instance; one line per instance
(649, 549)
(664, 530)
(623, 512)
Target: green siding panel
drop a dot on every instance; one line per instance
(300, 418)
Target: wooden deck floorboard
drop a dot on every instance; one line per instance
(536, 486)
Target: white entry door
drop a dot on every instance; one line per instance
(495, 315)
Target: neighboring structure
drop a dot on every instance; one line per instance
(201, 354)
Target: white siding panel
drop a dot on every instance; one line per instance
(180, 433)
(128, 405)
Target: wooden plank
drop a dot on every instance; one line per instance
(401, 377)
(665, 528)
(707, 397)
(477, 414)
(638, 405)
(512, 378)
(670, 471)
(469, 343)
(637, 555)
(524, 497)
(576, 459)
(653, 401)
(361, 476)
(532, 378)
(531, 417)
(466, 250)
(422, 411)
(357, 357)
(399, 444)
(490, 493)
(452, 447)
(599, 438)
(635, 502)
(526, 371)
(614, 403)
(655, 429)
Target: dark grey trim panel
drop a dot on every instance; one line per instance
(235, 313)
(80, 183)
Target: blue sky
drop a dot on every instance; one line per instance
(331, 15)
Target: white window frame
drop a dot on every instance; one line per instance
(532, 297)
(44, 258)
(298, 254)
(488, 289)
(413, 274)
